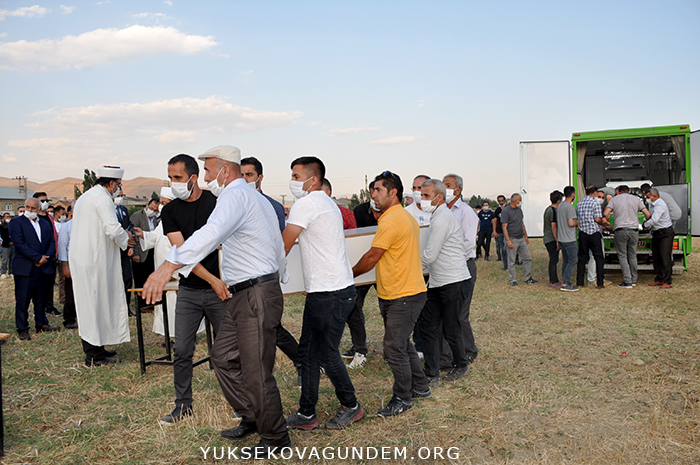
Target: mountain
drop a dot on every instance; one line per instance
(141, 187)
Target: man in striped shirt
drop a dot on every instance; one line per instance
(590, 217)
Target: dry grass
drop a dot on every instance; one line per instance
(550, 385)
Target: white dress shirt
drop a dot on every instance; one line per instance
(246, 225)
(37, 227)
(444, 256)
(660, 216)
(469, 222)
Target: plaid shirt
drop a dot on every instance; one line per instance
(587, 210)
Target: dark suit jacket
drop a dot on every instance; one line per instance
(28, 249)
(140, 220)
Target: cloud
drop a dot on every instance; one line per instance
(40, 143)
(167, 137)
(24, 12)
(9, 158)
(99, 47)
(150, 15)
(67, 9)
(339, 132)
(394, 140)
(421, 103)
(168, 2)
(3, 34)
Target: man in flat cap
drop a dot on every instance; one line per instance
(95, 266)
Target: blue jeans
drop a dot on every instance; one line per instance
(569, 254)
(325, 314)
(502, 250)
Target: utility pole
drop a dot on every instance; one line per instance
(22, 189)
(283, 196)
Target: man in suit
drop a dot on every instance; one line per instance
(127, 274)
(33, 267)
(144, 264)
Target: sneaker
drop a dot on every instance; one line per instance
(531, 281)
(421, 394)
(298, 421)
(456, 373)
(345, 416)
(626, 285)
(396, 406)
(3, 276)
(180, 412)
(433, 381)
(568, 288)
(420, 355)
(350, 353)
(555, 285)
(514, 283)
(358, 361)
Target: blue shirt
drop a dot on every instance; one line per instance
(587, 210)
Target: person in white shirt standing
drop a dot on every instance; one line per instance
(661, 226)
(445, 258)
(328, 281)
(422, 217)
(253, 263)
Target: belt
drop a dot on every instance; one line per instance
(238, 287)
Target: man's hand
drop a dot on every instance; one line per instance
(44, 259)
(558, 246)
(138, 232)
(510, 244)
(527, 240)
(136, 258)
(132, 241)
(220, 288)
(66, 270)
(494, 234)
(156, 282)
(130, 252)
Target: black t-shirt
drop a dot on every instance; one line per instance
(364, 216)
(187, 217)
(499, 226)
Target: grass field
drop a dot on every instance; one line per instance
(596, 376)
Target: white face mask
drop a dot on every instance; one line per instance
(253, 183)
(214, 186)
(116, 193)
(600, 201)
(427, 205)
(416, 196)
(150, 213)
(119, 201)
(30, 215)
(486, 208)
(62, 219)
(450, 195)
(44, 205)
(519, 203)
(371, 204)
(160, 208)
(297, 188)
(180, 189)
(8, 220)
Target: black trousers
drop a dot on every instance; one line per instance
(288, 345)
(356, 321)
(470, 348)
(553, 261)
(484, 240)
(69, 315)
(586, 244)
(661, 249)
(127, 276)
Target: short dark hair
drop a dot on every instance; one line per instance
(623, 188)
(422, 176)
(555, 196)
(568, 190)
(591, 190)
(501, 197)
(39, 194)
(191, 166)
(105, 181)
(326, 184)
(255, 162)
(312, 164)
(153, 200)
(645, 187)
(58, 208)
(391, 181)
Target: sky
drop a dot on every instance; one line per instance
(415, 87)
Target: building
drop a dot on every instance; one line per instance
(11, 198)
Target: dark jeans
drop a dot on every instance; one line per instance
(441, 318)
(288, 345)
(502, 250)
(33, 289)
(590, 243)
(322, 328)
(192, 305)
(470, 349)
(400, 316)
(243, 356)
(69, 315)
(553, 260)
(484, 240)
(661, 250)
(356, 321)
(568, 256)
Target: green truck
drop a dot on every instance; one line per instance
(667, 157)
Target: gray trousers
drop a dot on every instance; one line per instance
(519, 248)
(7, 256)
(626, 246)
(192, 305)
(400, 316)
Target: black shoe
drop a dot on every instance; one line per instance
(265, 451)
(24, 336)
(487, 258)
(396, 406)
(244, 429)
(91, 362)
(71, 325)
(456, 373)
(531, 281)
(433, 381)
(350, 353)
(421, 394)
(109, 353)
(53, 311)
(181, 412)
(46, 329)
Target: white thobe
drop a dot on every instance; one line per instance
(95, 265)
(161, 244)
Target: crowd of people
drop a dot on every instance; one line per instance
(424, 296)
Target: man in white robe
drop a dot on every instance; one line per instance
(95, 266)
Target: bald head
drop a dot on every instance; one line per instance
(32, 204)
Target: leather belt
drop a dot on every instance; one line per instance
(238, 287)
